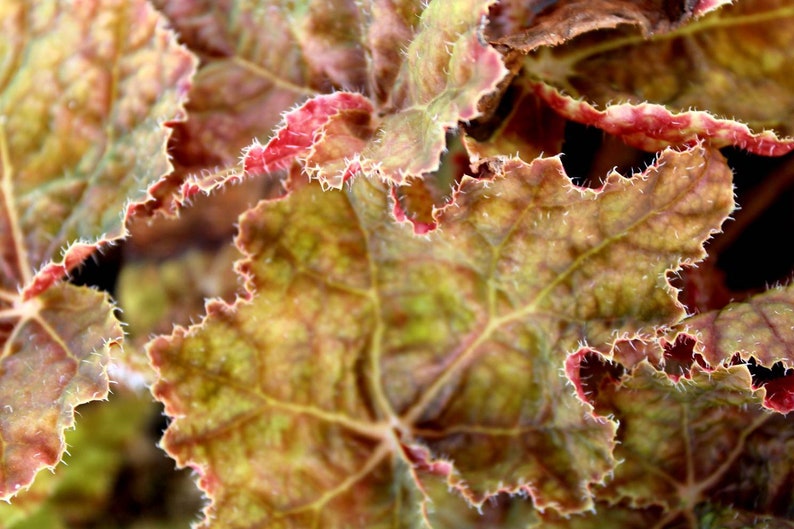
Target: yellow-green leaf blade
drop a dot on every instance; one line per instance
(362, 344)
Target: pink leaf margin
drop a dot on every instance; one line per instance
(651, 127)
(299, 130)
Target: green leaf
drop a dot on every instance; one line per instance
(54, 357)
(367, 358)
(759, 328)
(84, 91)
(696, 446)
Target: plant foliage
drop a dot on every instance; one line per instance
(427, 318)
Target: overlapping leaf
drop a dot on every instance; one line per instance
(759, 329)
(446, 71)
(719, 452)
(523, 125)
(370, 364)
(722, 65)
(108, 437)
(525, 26)
(84, 91)
(56, 348)
(155, 295)
(250, 76)
(698, 440)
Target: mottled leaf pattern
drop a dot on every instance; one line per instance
(340, 355)
(702, 447)
(249, 76)
(84, 91)
(56, 348)
(430, 325)
(761, 327)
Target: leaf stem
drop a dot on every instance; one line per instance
(382, 450)
(7, 190)
(273, 78)
(694, 493)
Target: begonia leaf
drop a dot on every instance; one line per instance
(446, 71)
(651, 127)
(704, 516)
(759, 330)
(84, 91)
(523, 125)
(390, 28)
(305, 132)
(97, 449)
(55, 351)
(154, 295)
(81, 133)
(248, 76)
(525, 26)
(759, 327)
(420, 199)
(367, 358)
(686, 443)
(704, 79)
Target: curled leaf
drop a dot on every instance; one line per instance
(446, 71)
(702, 79)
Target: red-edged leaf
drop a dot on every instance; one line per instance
(447, 70)
(55, 351)
(371, 366)
(106, 446)
(711, 75)
(86, 89)
(652, 127)
(689, 435)
(523, 125)
(249, 77)
(760, 327)
(301, 129)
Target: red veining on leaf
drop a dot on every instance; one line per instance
(652, 127)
